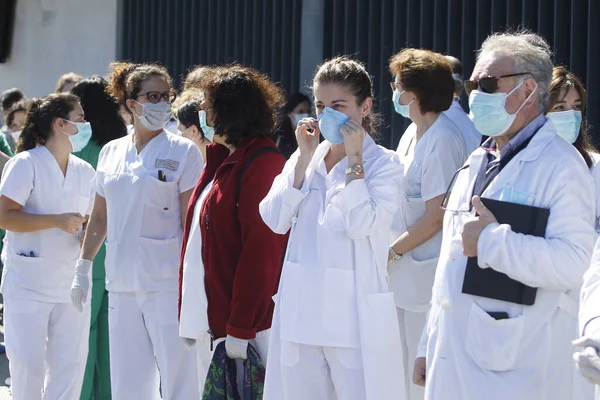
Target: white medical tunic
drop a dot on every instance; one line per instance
(429, 165)
(40, 264)
(144, 213)
(461, 119)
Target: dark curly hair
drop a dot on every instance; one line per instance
(100, 109)
(40, 117)
(428, 75)
(20, 106)
(244, 103)
(10, 97)
(353, 75)
(126, 79)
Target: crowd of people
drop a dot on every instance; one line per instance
(222, 243)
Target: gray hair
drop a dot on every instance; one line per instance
(531, 53)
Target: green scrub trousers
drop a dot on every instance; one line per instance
(96, 382)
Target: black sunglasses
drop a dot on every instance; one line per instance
(155, 97)
(444, 205)
(489, 84)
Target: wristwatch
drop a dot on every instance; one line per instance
(355, 169)
(395, 256)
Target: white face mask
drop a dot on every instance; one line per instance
(154, 116)
(488, 111)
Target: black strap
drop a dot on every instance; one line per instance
(485, 176)
(257, 153)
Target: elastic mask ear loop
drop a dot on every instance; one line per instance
(527, 99)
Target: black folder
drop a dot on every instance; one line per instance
(496, 285)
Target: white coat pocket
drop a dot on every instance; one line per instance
(288, 298)
(340, 310)
(160, 258)
(493, 344)
(161, 215)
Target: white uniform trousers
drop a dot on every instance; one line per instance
(205, 354)
(47, 346)
(411, 327)
(321, 373)
(146, 350)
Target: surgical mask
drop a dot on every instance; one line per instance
(488, 111)
(209, 131)
(82, 137)
(155, 116)
(15, 135)
(299, 117)
(330, 124)
(567, 124)
(402, 109)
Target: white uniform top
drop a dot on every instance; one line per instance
(144, 214)
(429, 165)
(40, 264)
(317, 291)
(193, 320)
(461, 119)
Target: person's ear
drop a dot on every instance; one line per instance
(366, 107)
(130, 104)
(530, 86)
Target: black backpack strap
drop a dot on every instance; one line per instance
(257, 153)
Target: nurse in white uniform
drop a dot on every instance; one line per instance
(335, 333)
(143, 185)
(431, 150)
(45, 198)
(567, 108)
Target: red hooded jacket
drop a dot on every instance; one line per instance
(241, 255)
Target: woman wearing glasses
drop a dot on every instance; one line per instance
(431, 150)
(143, 185)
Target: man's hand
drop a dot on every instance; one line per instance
(473, 228)
(419, 371)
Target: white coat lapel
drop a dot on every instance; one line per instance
(511, 172)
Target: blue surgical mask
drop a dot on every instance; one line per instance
(209, 131)
(488, 111)
(82, 137)
(299, 117)
(402, 109)
(330, 124)
(567, 124)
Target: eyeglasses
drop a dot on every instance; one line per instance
(155, 96)
(444, 205)
(489, 84)
(395, 85)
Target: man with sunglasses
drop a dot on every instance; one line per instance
(478, 347)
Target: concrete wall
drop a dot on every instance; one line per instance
(52, 37)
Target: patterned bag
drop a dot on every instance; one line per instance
(221, 381)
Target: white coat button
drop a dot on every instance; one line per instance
(445, 305)
(294, 220)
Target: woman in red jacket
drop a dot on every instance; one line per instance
(226, 244)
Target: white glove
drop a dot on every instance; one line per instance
(236, 348)
(81, 283)
(588, 361)
(189, 343)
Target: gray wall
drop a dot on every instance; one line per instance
(52, 37)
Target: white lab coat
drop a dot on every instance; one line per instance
(461, 119)
(335, 294)
(470, 355)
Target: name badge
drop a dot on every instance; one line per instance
(171, 165)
